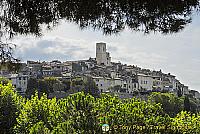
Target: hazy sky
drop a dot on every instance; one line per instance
(178, 53)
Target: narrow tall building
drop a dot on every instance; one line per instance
(102, 57)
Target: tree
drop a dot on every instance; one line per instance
(91, 87)
(40, 114)
(116, 88)
(4, 81)
(32, 87)
(109, 16)
(179, 92)
(50, 81)
(87, 86)
(7, 60)
(67, 84)
(171, 104)
(83, 113)
(194, 106)
(77, 81)
(77, 85)
(43, 87)
(46, 85)
(58, 86)
(186, 104)
(9, 108)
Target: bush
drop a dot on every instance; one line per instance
(38, 110)
(83, 113)
(9, 108)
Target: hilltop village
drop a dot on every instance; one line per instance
(124, 80)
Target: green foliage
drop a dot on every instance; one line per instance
(9, 107)
(4, 81)
(108, 16)
(179, 92)
(90, 87)
(82, 113)
(116, 88)
(37, 110)
(39, 128)
(32, 86)
(66, 84)
(187, 106)
(50, 81)
(171, 104)
(186, 123)
(64, 127)
(130, 112)
(87, 86)
(77, 82)
(46, 85)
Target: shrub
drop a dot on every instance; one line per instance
(9, 107)
(83, 113)
(38, 110)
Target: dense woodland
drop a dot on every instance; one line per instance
(83, 113)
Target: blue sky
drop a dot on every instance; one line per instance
(177, 53)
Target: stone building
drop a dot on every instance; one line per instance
(145, 82)
(19, 82)
(102, 57)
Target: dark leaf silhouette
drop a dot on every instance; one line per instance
(110, 16)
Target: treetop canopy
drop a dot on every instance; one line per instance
(109, 16)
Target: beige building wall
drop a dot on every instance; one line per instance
(145, 82)
(102, 83)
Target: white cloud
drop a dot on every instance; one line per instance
(50, 48)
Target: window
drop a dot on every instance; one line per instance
(19, 78)
(24, 78)
(97, 85)
(101, 85)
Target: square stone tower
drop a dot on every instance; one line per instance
(102, 57)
